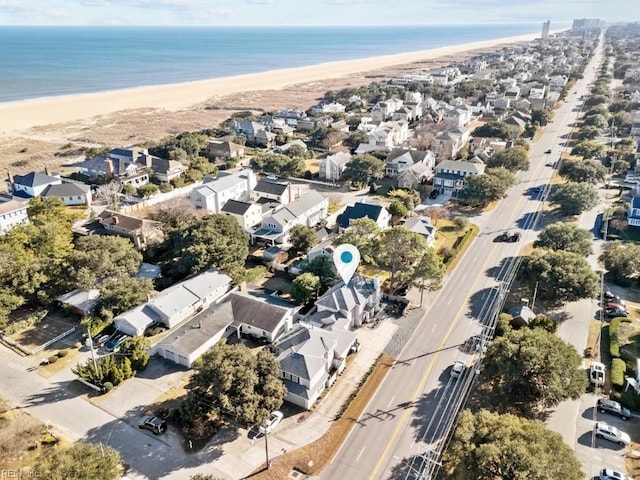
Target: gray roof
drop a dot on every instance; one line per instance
(236, 207)
(343, 297)
(34, 179)
(225, 181)
(66, 189)
(416, 156)
(421, 225)
(199, 330)
(271, 188)
(298, 207)
(302, 350)
(459, 166)
(258, 309)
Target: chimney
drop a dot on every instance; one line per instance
(290, 193)
(46, 171)
(108, 167)
(10, 183)
(242, 286)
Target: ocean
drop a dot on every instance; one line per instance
(47, 61)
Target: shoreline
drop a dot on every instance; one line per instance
(21, 115)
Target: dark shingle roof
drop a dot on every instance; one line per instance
(360, 210)
(65, 190)
(272, 188)
(258, 309)
(34, 179)
(236, 207)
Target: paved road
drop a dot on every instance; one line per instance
(391, 430)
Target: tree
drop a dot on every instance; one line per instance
(490, 446)
(595, 100)
(302, 238)
(622, 261)
(541, 117)
(230, 380)
(409, 260)
(598, 121)
(513, 159)
(589, 133)
(361, 168)
(565, 236)
(279, 164)
(493, 129)
(119, 294)
(50, 209)
(558, 275)
(363, 234)
(533, 370)
(96, 257)
(305, 287)
(148, 190)
(210, 241)
(322, 266)
(8, 303)
(588, 149)
(80, 462)
(574, 198)
(588, 171)
(136, 350)
(356, 138)
(110, 193)
(397, 209)
(479, 190)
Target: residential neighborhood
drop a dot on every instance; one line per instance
(494, 204)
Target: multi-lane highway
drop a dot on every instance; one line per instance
(414, 406)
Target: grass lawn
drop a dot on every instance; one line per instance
(446, 234)
(313, 165)
(313, 458)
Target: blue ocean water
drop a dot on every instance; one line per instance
(46, 61)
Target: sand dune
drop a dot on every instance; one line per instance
(17, 117)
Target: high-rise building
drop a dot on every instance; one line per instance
(545, 30)
(587, 24)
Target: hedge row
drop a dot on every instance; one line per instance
(618, 370)
(614, 340)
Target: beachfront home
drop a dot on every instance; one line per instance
(224, 150)
(12, 213)
(71, 193)
(216, 192)
(32, 184)
(166, 170)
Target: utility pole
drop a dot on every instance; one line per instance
(93, 352)
(535, 293)
(266, 448)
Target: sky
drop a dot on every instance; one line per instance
(309, 12)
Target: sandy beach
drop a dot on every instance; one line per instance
(32, 130)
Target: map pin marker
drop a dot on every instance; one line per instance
(346, 258)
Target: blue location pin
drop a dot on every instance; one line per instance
(346, 258)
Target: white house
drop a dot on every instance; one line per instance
(271, 190)
(309, 210)
(72, 194)
(310, 360)
(213, 194)
(175, 304)
(400, 159)
(447, 144)
(633, 214)
(32, 184)
(260, 315)
(12, 213)
(332, 166)
(247, 214)
(450, 174)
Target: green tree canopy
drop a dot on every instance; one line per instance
(397, 209)
(533, 370)
(493, 129)
(589, 133)
(148, 190)
(136, 350)
(598, 121)
(362, 233)
(541, 117)
(596, 100)
(490, 446)
(210, 241)
(305, 287)
(230, 380)
(565, 236)
(588, 149)
(279, 164)
(322, 266)
(588, 171)
(574, 198)
(302, 238)
(622, 261)
(480, 190)
(80, 461)
(99, 256)
(513, 159)
(119, 294)
(559, 275)
(361, 168)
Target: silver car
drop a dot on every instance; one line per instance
(611, 433)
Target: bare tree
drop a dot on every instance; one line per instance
(111, 193)
(436, 213)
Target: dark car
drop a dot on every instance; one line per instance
(115, 343)
(506, 237)
(609, 406)
(614, 312)
(548, 151)
(433, 194)
(155, 425)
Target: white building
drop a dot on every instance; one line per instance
(213, 194)
(332, 166)
(12, 213)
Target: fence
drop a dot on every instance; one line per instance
(53, 340)
(161, 197)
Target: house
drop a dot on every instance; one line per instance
(190, 341)
(224, 150)
(255, 132)
(275, 191)
(633, 214)
(414, 175)
(515, 124)
(285, 147)
(71, 193)
(80, 301)
(447, 144)
(32, 184)
(166, 170)
(403, 158)
(12, 213)
(142, 232)
(332, 166)
(128, 164)
(423, 226)
(345, 307)
(260, 315)
(450, 174)
(310, 360)
(377, 213)
(247, 214)
(175, 304)
(309, 210)
(215, 193)
(521, 316)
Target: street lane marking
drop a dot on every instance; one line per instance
(434, 327)
(390, 401)
(361, 452)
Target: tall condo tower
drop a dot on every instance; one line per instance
(545, 30)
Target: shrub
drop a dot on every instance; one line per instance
(52, 359)
(63, 353)
(165, 187)
(630, 399)
(107, 387)
(614, 340)
(618, 369)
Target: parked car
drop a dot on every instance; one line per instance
(615, 306)
(611, 433)
(614, 312)
(548, 151)
(608, 474)
(434, 194)
(458, 368)
(272, 422)
(610, 406)
(597, 373)
(155, 425)
(115, 343)
(272, 177)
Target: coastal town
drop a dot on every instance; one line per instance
(172, 308)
